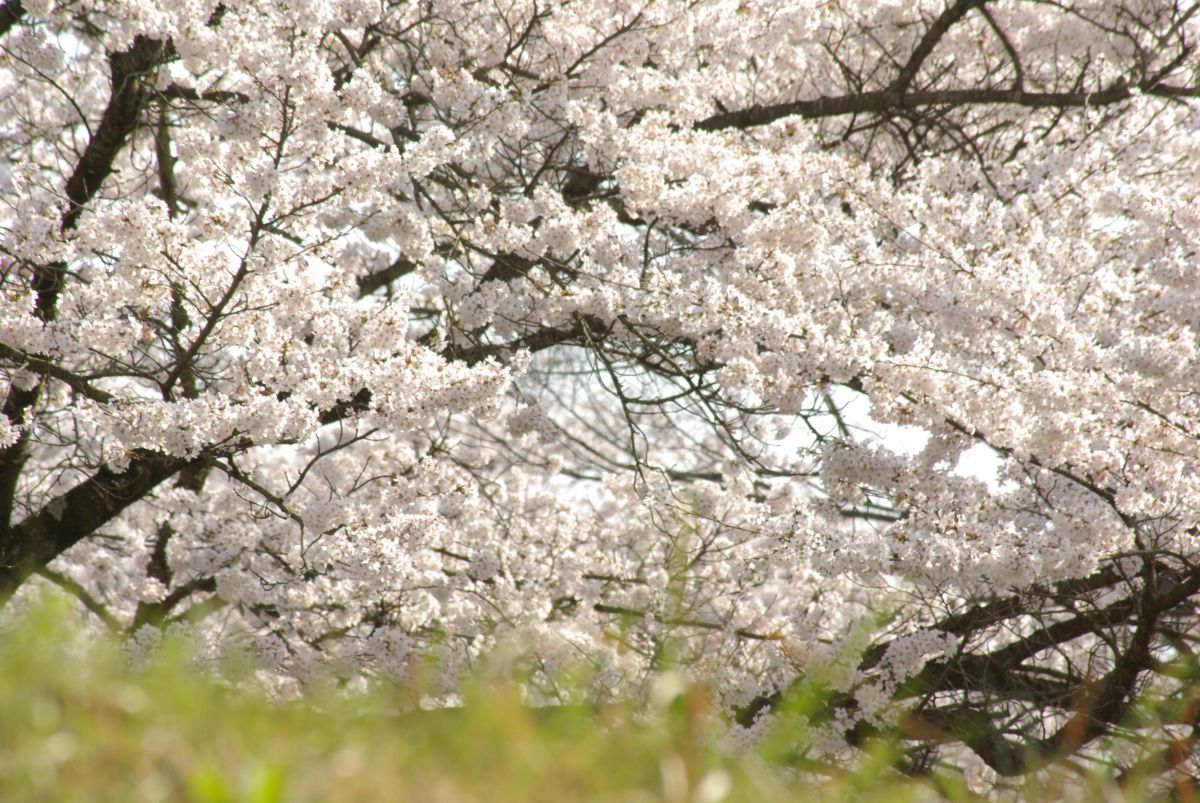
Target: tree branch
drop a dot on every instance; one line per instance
(74, 515)
(85, 598)
(955, 12)
(120, 118)
(10, 14)
(889, 100)
(373, 281)
(47, 368)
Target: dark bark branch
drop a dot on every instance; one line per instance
(1003, 672)
(997, 669)
(888, 100)
(974, 728)
(991, 613)
(154, 613)
(119, 121)
(534, 341)
(10, 14)
(47, 368)
(177, 92)
(371, 282)
(1093, 717)
(168, 188)
(1117, 690)
(1009, 48)
(83, 595)
(158, 567)
(129, 94)
(76, 514)
(360, 403)
(937, 31)
(12, 457)
(619, 610)
(20, 400)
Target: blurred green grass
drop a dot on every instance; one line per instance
(77, 724)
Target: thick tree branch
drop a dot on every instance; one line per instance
(400, 268)
(534, 341)
(177, 92)
(974, 728)
(955, 12)
(1001, 672)
(10, 14)
(83, 595)
(47, 368)
(154, 613)
(76, 514)
(888, 100)
(129, 93)
(128, 71)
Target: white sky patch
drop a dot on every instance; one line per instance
(855, 408)
(980, 461)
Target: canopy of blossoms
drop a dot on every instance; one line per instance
(374, 332)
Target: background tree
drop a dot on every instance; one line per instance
(367, 330)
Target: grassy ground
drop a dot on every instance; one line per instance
(77, 725)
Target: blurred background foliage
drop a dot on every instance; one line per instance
(86, 719)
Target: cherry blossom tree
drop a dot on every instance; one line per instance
(368, 332)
